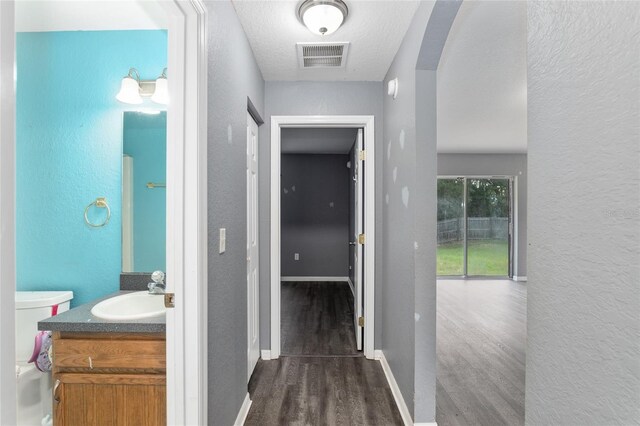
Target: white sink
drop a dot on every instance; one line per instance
(130, 306)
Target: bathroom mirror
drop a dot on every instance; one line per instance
(144, 197)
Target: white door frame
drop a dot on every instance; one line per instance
(7, 215)
(253, 256)
(187, 196)
(187, 380)
(344, 121)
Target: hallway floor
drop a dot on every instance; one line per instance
(323, 380)
(317, 319)
(481, 341)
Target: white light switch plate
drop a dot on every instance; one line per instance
(223, 240)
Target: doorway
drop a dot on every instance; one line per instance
(363, 284)
(475, 226)
(186, 219)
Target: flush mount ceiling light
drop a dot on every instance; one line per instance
(323, 17)
(132, 89)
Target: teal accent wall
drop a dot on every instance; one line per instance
(145, 140)
(69, 152)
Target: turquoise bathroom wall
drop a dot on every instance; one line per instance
(145, 140)
(69, 152)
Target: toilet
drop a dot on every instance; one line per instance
(33, 386)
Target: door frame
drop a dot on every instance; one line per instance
(187, 353)
(186, 167)
(256, 207)
(366, 122)
(7, 215)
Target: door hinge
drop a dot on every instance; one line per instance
(169, 300)
(363, 155)
(360, 321)
(361, 239)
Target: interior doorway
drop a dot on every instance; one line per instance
(351, 260)
(321, 258)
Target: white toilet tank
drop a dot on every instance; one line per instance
(31, 307)
(33, 386)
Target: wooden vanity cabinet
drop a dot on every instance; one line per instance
(109, 379)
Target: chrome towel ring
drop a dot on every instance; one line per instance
(100, 202)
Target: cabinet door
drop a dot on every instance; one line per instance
(109, 399)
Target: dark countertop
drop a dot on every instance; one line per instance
(80, 319)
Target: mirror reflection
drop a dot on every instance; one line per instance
(144, 173)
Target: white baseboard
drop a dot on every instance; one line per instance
(314, 279)
(520, 278)
(353, 288)
(265, 354)
(426, 424)
(395, 390)
(244, 411)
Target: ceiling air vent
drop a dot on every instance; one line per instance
(322, 55)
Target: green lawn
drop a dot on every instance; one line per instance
(489, 257)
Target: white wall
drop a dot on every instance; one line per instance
(482, 80)
(583, 345)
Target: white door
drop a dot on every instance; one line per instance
(253, 352)
(359, 251)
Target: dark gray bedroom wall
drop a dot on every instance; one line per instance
(583, 297)
(233, 76)
(492, 165)
(315, 215)
(313, 98)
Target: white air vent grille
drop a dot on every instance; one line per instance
(322, 55)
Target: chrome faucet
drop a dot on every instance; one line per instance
(157, 286)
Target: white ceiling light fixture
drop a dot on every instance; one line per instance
(323, 17)
(132, 89)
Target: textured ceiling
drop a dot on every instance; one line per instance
(317, 140)
(374, 28)
(89, 15)
(482, 80)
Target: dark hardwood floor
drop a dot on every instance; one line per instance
(323, 380)
(481, 341)
(331, 391)
(317, 319)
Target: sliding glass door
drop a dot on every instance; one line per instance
(451, 227)
(474, 226)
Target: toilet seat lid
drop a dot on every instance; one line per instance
(38, 299)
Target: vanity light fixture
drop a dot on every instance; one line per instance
(161, 94)
(323, 17)
(132, 89)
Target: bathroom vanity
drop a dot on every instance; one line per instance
(107, 372)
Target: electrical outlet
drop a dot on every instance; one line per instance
(296, 256)
(223, 240)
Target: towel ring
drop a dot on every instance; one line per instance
(100, 202)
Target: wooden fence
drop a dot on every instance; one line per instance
(480, 228)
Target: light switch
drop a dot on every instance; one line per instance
(296, 256)
(223, 240)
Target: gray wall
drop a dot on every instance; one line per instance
(313, 98)
(496, 164)
(583, 343)
(409, 229)
(315, 215)
(233, 76)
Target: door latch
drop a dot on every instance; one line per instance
(360, 321)
(169, 300)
